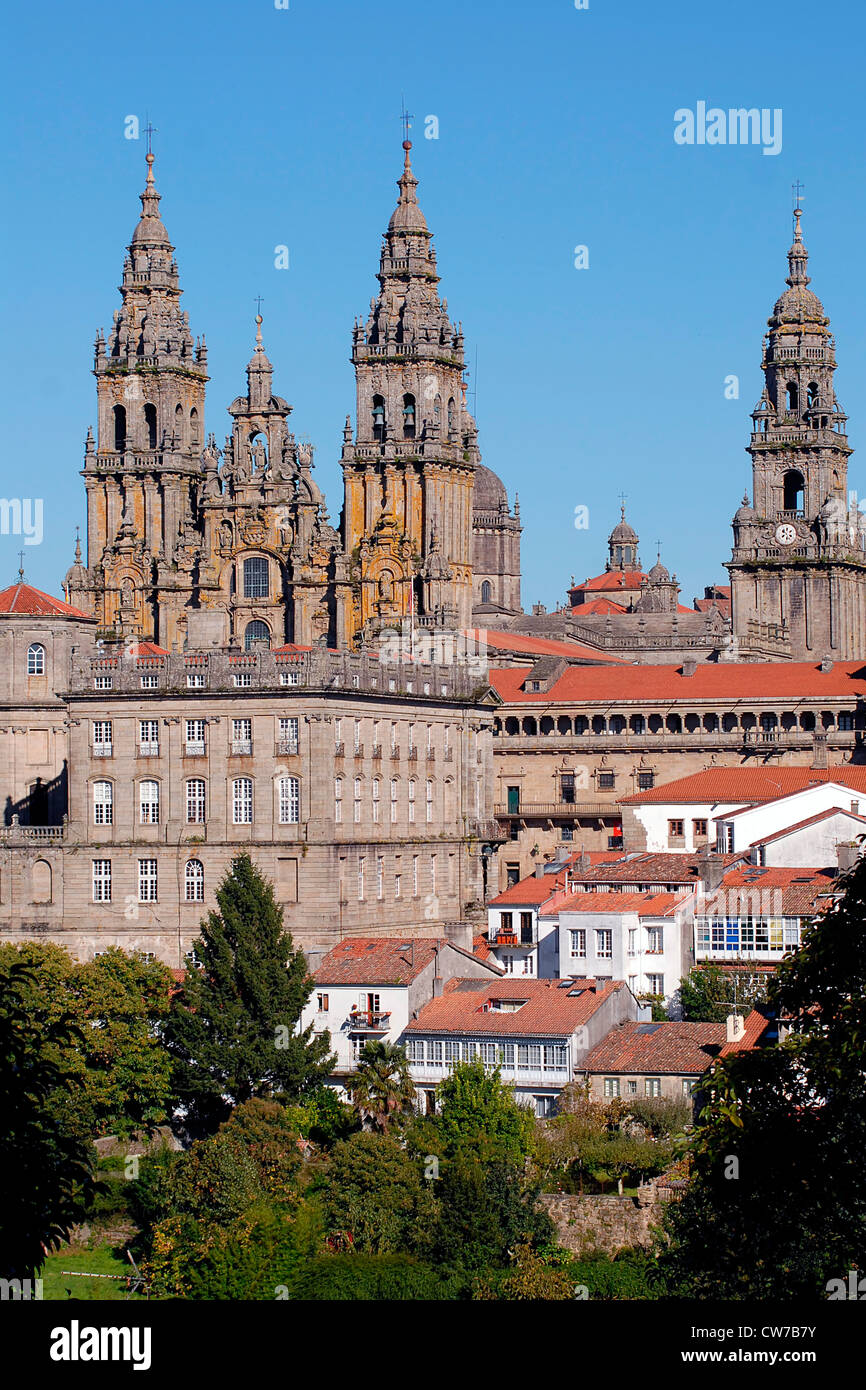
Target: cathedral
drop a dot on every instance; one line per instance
(191, 545)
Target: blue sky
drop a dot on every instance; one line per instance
(555, 130)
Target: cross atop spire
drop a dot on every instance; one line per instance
(150, 131)
(20, 566)
(405, 121)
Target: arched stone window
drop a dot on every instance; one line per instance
(379, 417)
(256, 577)
(530, 727)
(408, 417)
(41, 882)
(194, 881)
(36, 659)
(103, 803)
(563, 724)
(793, 491)
(793, 394)
(437, 411)
(451, 417)
(119, 414)
(194, 435)
(288, 790)
(256, 632)
(486, 591)
(148, 803)
(150, 424)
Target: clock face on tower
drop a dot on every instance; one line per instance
(786, 534)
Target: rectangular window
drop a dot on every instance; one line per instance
(361, 879)
(656, 984)
(288, 678)
(632, 941)
(611, 1086)
(411, 802)
(393, 800)
(699, 829)
(567, 783)
(242, 735)
(195, 737)
(338, 800)
(102, 880)
(688, 1086)
(652, 1086)
(606, 781)
(655, 940)
(526, 928)
(148, 737)
(288, 735)
(433, 875)
(242, 801)
(242, 679)
(578, 942)
(102, 738)
(675, 829)
(414, 875)
(646, 781)
(357, 735)
(397, 885)
(631, 1088)
(380, 877)
(256, 577)
(102, 682)
(150, 681)
(429, 801)
(376, 790)
(289, 796)
(195, 680)
(148, 803)
(147, 881)
(103, 798)
(604, 944)
(323, 1003)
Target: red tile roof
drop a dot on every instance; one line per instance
(755, 1028)
(746, 680)
(644, 904)
(552, 1008)
(381, 960)
(657, 1048)
(651, 868)
(537, 646)
(738, 785)
(597, 605)
(801, 892)
(612, 580)
(532, 890)
(23, 598)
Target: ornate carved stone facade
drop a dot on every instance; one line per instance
(187, 542)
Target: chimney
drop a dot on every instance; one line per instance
(819, 748)
(711, 868)
(735, 1027)
(846, 857)
(539, 871)
(689, 666)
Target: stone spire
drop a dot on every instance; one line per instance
(259, 372)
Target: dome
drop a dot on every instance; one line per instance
(658, 574)
(623, 532)
(796, 304)
(489, 493)
(745, 512)
(407, 215)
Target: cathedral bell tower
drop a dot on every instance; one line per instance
(798, 570)
(408, 472)
(141, 471)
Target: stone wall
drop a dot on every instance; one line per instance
(605, 1222)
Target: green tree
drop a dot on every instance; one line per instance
(778, 1142)
(381, 1088)
(233, 1030)
(486, 1209)
(478, 1115)
(705, 994)
(46, 1172)
(373, 1194)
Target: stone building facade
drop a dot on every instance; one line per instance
(358, 787)
(572, 741)
(799, 557)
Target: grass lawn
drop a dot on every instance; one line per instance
(105, 1259)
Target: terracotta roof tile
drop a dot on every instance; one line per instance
(738, 785)
(552, 1007)
(756, 1026)
(645, 904)
(651, 868)
(380, 960)
(801, 892)
(537, 646)
(662, 1048)
(23, 598)
(758, 680)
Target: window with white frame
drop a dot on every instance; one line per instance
(194, 739)
(655, 984)
(376, 786)
(148, 803)
(242, 801)
(398, 881)
(604, 943)
(356, 816)
(429, 800)
(611, 1086)
(393, 738)
(361, 867)
(655, 940)
(338, 733)
(36, 659)
(149, 681)
(242, 679)
(288, 735)
(242, 735)
(429, 739)
(195, 680)
(380, 877)
(147, 881)
(194, 881)
(288, 678)
(632, 941)
(102, 682)
(289, 799)
(578, 941)
(414, 875)
(652, 1086)
(411, 800)
(411, 743)
(195, 801)
(148, 737)
(433, 875)
(103, 803)
(357, 734)
(688, 1086)
(102, 880)
(338, 800)
(102, 738)
(394, 786)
